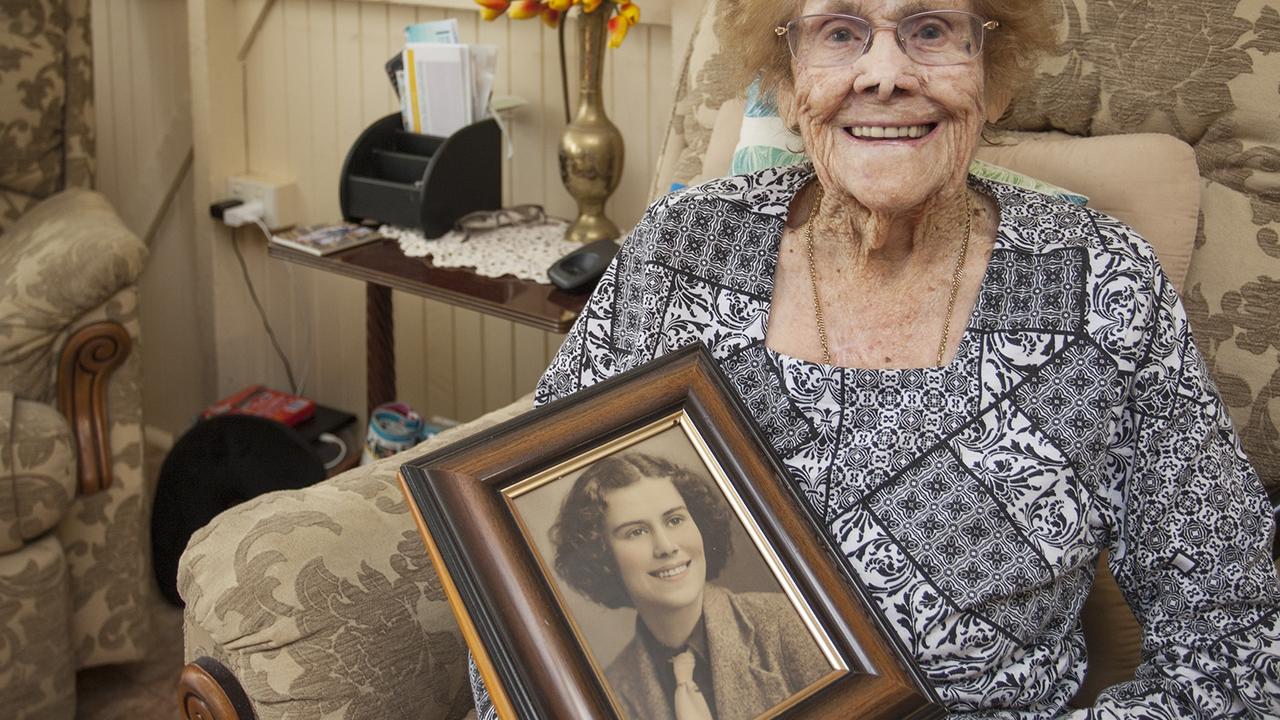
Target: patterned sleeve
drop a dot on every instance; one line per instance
(484, 706)
(1191, 541)
(588, 339)
(611, 335)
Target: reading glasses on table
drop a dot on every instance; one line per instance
(486, 220)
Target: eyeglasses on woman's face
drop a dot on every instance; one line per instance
(936, 37)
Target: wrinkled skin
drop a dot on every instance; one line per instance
(897, 181)
(887, 237)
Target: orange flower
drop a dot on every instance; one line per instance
(525, 9)
(617, 30)
(630, 11)
(491, 9)
(628, 15)
(622, 13)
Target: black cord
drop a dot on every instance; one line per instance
(244, 269)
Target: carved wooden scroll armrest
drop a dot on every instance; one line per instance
(88, 359)
(209, 691)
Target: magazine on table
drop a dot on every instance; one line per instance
(326, 239)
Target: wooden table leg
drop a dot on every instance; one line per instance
(380, 370)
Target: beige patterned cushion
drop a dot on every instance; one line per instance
(1210, 76)
(33, 90)
(700, 92)
(37, 676)
(37, 470)
(46, 91)
(322, 597)
(66, 256)
(1147, 180)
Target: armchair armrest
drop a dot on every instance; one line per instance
(64, 257)
(87, 361)
(308, 602)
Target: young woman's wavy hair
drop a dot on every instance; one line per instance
(582, 555)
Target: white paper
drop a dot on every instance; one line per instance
(402, 91)
(484, 66)
(438, 31)
(441, 87)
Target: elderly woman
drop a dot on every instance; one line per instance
(978, 388)
(638, 531)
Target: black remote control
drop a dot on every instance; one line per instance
(579, 270)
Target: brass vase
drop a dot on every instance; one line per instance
(591, 151)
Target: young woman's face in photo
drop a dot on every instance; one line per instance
(656, 544)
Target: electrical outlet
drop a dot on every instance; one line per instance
(280, 198)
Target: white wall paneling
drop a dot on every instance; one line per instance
(311, 79)
(142, 104)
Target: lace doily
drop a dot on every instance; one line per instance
(525, 251)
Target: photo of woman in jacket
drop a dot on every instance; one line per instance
(637, 530)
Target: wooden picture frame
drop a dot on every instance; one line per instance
(475, 503)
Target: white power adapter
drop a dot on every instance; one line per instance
(281, 198)
(243, 214)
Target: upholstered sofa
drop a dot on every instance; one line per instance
(321, 603)
(73, 498)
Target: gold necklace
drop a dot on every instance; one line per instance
(956, 276)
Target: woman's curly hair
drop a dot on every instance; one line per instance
(583, 558)
(1009, 53)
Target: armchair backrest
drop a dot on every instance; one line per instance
(62, 260)
(1210, 78)
(46, 102)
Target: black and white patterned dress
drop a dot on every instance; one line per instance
(974, 499)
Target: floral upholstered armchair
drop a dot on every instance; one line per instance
(321, 603)
(73, 499)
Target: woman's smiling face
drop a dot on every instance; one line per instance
(885, 130)
(656, 544)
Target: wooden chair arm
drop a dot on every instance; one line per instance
(208, 690)
(89, 358)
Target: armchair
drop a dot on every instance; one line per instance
(73, 497)
(320, 603)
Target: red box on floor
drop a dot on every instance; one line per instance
(264, 402)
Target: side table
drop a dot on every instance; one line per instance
(384, 268)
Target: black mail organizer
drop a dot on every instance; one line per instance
(421, 181)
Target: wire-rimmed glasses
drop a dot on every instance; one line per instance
(482, 221)
(935, 37)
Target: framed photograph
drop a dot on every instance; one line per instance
(636, 552)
